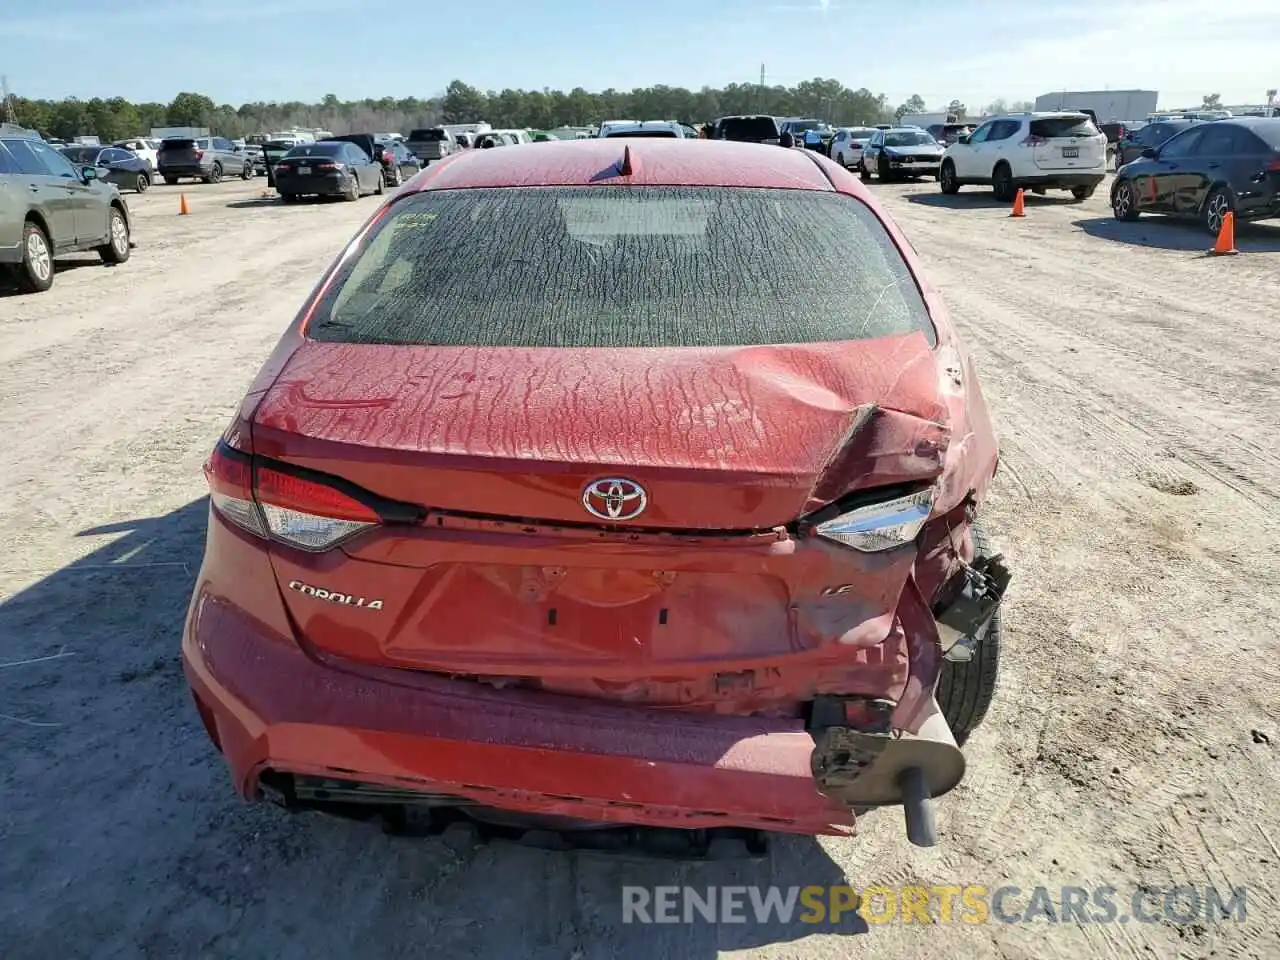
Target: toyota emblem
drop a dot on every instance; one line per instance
(614, 498)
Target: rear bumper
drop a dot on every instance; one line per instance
(185, 170)
(1064, 180)
(270, 705)
(322, 186)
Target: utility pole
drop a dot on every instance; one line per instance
(10, 114)
(760, 96)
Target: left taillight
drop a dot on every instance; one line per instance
(303, 512)
(882, 524)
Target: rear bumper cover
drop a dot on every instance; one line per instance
(1061, 180)
(273, 706)
(321, 185)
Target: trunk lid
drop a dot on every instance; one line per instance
(695, 604)
(1067, 143)
(721, 438)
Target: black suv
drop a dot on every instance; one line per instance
(748, 129)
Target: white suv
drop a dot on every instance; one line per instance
(1062, 150)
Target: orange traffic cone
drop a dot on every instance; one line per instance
(182, 205)
(1226, 243)
(1017, 205)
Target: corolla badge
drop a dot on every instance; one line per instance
(614, 498)
(333, 596)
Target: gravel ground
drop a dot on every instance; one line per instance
(1134, 740)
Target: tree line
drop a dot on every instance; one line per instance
(114, 118)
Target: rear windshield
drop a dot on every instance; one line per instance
(181, 144)
(622, 267)
(643, 133)
(1051, 127)
(749, 128)
(428, 135)
(279, 145)
(1269, 131)
(861, 133)
(801, 126)
(316, 150)
(80, 154)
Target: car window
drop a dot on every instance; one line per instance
(1051, 127)
(7, 163)
(114, 156)
(610, 267)
(982, 133)
(1184, 144)
(907, 138)
(1218, 141)
(1003, 130)
(24, 158)
(55, 164)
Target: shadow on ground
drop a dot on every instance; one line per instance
(976, 200)
(9, 285)
(271, 201)
(123, 838)
(1167, 233)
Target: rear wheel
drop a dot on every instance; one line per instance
(170, 180)
(966, 689)
(353, 191)
(947, 178)
(1124, 202)
(863, 172)
(882, 167)
(1002, 183)
(840, 159)
(215, 175)
(247, 172)
(143, 183)
(116, 249)
(35, 272)
(380, 188)
(397, 176)
(1082, 193)
(289, 197)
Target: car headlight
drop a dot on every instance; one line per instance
(880, 526)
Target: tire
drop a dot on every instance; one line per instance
(170, 180)
(882, 167)
(840, 159)
(947, 178)
(289, 197)
(380, 188)
(35, 272)
(965, 690)
(215, 175)
(143, 183)
(397, 177)
(247, 172)
(1124, 202)
(863, 172)
(1217, 205)
(1082, 193)
(354, 192)
(1002, 183)
(116, 249)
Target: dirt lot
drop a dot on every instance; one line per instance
(1134, 740)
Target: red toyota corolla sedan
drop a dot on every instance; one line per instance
(607, 482)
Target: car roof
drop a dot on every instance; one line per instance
(666, 162)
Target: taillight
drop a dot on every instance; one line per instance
(302, 512)
(199, 154)
(387, 157)
(1032, 140)
(329, 165)
(878, 526)
(1273, 165)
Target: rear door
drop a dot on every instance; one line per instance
(47, 189)
(1070, 142)
(13, 205)
(1240, 159)
(1209, 164)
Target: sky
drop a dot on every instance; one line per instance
(971, 50)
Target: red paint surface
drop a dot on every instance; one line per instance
(697, 621)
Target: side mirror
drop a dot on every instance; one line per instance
(963, 138)
(89, 173)
(787, 140)
(1149, 154)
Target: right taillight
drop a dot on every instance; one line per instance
(199, 154)
(879, 526)
(305, 512)
(1273, 164)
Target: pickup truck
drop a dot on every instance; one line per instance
(431, 143)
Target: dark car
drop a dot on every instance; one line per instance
(329, 168)
(900, 152)
(50, 207)
(122, 167)
(747, 129)
(545, 510)
(398, 163)
(1206, 171)
(1148, 137)
(203, 158)
(810, 133)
